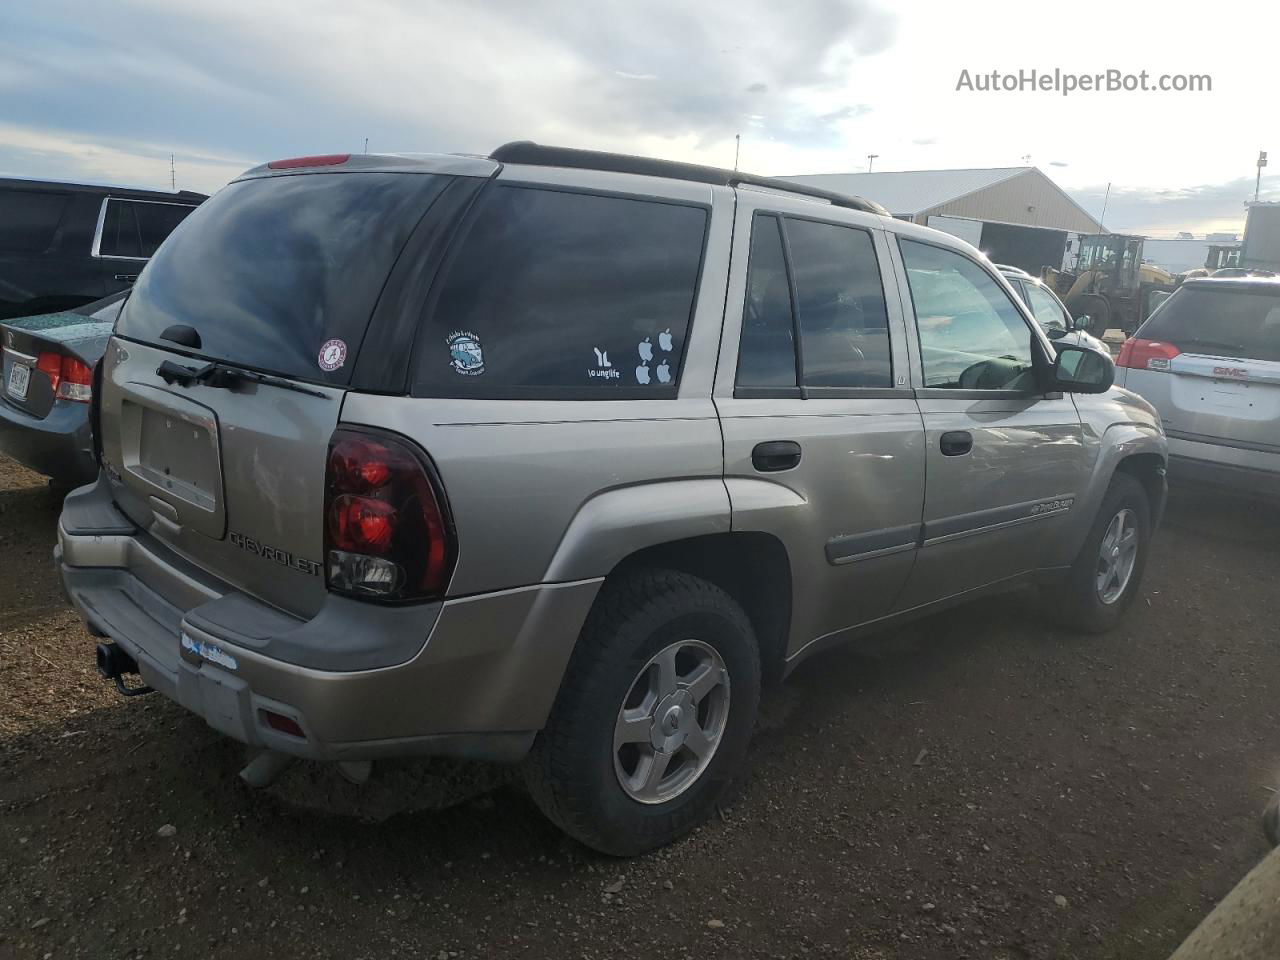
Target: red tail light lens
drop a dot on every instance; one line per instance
(50, 364)
(387, 533)
(77, 380)
(1146, 354)
(70, 378)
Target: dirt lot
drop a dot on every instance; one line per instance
(979, 785)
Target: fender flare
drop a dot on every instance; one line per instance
(1119, 442)
(616, 523)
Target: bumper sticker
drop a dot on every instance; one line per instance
(208, 651)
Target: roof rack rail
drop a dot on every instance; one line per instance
(537, 155)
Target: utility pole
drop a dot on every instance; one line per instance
(1257, 183)
(366, 144)
(737, 145)
(173, 176)
(1103, 219)
(871, 159)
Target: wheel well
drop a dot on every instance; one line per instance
(753, 568)
(1147, 469)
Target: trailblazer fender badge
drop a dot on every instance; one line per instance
(208, 651)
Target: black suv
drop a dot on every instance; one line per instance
(63, 245)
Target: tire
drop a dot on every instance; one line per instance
(576, 769)
(1096, 307)
(1083, 604)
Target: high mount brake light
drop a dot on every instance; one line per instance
(387, 534)
(1140, 354)
(320, 160)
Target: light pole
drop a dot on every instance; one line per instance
(737, 145)
(1262, 162)
(871, 159)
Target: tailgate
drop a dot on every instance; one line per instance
(1224, 398)
(232, 479)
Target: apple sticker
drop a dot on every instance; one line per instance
(664, 340)
(642, 373)
(646, 350)
(664, 372)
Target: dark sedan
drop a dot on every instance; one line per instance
(47, 384)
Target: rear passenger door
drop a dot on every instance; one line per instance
(1005, 459)
(823, 442)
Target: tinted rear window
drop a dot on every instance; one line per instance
(1223, 322)
(564, 295)
(282, 273)
(29, 219)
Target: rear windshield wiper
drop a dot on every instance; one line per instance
(221, 375)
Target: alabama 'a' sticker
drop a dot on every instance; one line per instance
(332, 355)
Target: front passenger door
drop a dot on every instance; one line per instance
(1005, 459)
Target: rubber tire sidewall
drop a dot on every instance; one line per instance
(571, 773)
(1079, 606)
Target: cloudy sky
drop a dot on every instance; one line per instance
(108, 90)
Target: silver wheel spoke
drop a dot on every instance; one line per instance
(633, 726)
(667, 676)
(699, 744)
(1117, 556)
(702, 681)
(654, 770)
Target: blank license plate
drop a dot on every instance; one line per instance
(19, 380)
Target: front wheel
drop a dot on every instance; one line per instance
(1107, 572)
(654, 716)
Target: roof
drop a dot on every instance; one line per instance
(115, 189)
(911, 191)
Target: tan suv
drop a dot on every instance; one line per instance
(551, 456)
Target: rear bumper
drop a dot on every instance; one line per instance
(1248, 481)
(479, 684)
(58, 446)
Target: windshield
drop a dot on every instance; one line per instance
(281, 274)
(1223, 322)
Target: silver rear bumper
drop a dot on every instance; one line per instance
(473, 677)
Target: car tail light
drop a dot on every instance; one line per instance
(70, 378)
(320, 160)
(387, 529)
(1146, 354)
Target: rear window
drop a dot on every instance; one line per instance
(1223, 322)
(29, 219)
(565, 295)
(281, 274)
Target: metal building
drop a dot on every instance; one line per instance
(1014, 215)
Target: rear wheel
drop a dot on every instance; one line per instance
(1107, 572)
(1096, 308)
(653, 719)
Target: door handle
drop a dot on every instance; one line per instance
(775, 455)
(126, 277)
(955, 443)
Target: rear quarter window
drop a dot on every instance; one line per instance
(29, 219)
(1226, 322)
(558, 294)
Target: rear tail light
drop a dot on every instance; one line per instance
(70, 378)
(1140, 354)
(387, 530)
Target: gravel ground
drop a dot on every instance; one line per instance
(978, 785)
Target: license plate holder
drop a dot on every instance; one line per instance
(19, 380)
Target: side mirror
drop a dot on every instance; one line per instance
(1081, 370)
(1082, 322)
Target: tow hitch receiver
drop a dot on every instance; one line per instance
(114, 664)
